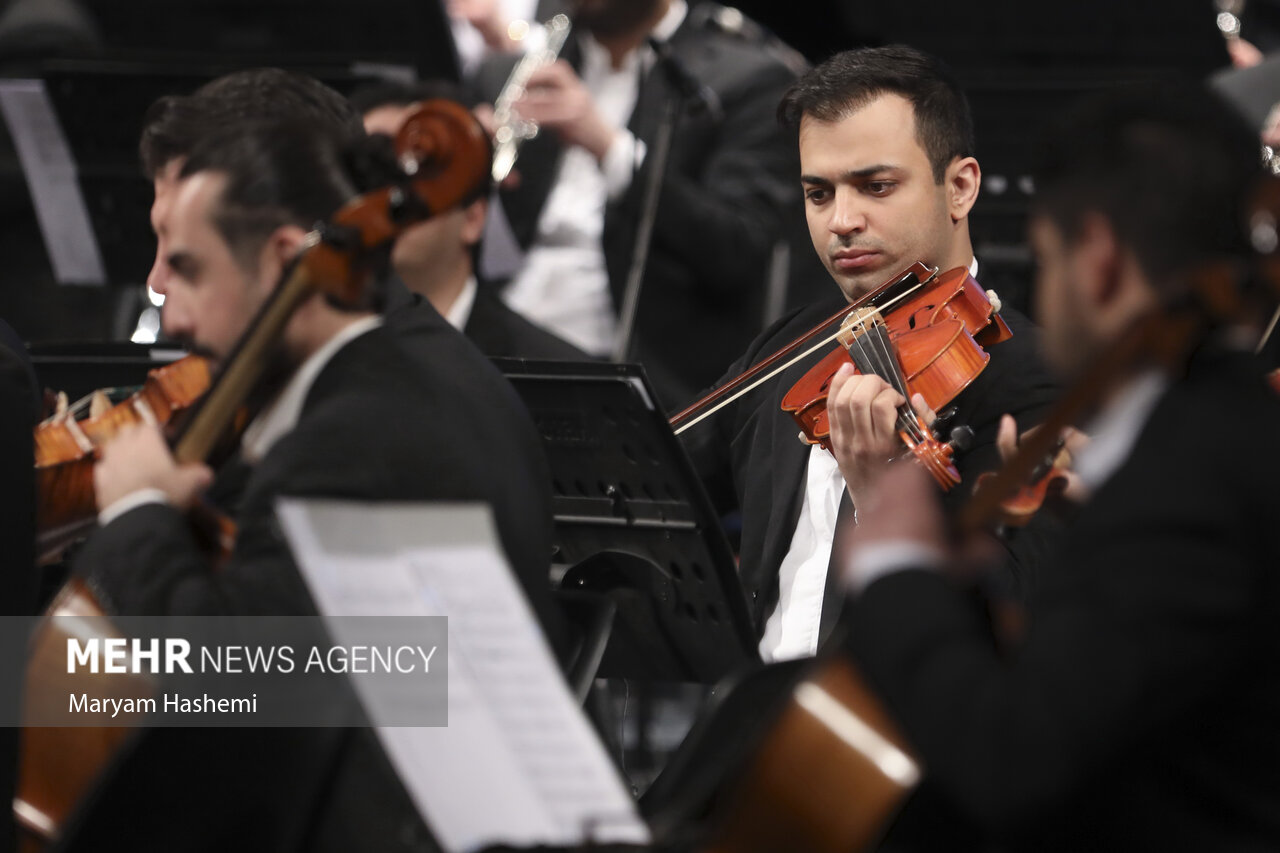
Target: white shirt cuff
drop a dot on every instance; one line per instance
(133, 500)
(621, 161)
(872, 562)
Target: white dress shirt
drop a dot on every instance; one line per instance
(563, 284)
(281, 416)
(460, 310)
(792, 628)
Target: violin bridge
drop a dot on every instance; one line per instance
(857, 324)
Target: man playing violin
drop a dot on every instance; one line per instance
(357, 417)
(176, 126)
(889, 177)
(1138, 711)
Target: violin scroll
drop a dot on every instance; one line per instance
(442, 157)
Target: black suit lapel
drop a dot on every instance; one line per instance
(485, 325)
(789, 469)
(655, 88)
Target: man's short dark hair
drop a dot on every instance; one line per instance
(277, 173)
(1169, 166)
(174, 125)
(850, 80)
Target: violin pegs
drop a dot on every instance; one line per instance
(961, 439)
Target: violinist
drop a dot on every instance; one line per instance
(1139, 710)
(357, 418)
(176, 126)
(889, 177)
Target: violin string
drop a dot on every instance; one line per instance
(879, 358)
(899, 381)
(747, 389)
(888, 368)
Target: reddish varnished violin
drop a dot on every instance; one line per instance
(921, 341)
(923, 332)
(67, 443)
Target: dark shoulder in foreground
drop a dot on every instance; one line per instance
(500, 332)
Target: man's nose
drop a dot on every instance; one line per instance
(848, 216)
(158, 277)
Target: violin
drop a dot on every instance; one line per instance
(445, 155)
(1047, 479)
(923, 332)
(67, 445)
(923, 341)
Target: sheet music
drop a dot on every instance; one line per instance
(51, 177)
(518, 762)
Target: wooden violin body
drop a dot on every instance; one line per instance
(66, 448)
(929, 342)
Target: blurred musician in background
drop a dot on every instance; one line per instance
(1139, 710)
(436, 258)
(724, 203)
(484, 27)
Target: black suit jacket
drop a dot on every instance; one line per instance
(17, 548)
(750, 458)
(1140, 711)
(730, 194)
(376, 425)
(494, 328)
(500, 332)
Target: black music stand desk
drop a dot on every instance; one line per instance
(633, 522)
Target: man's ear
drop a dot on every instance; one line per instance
(281, 247)
(963, 180)
(474, 216)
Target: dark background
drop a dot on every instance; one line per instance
(1019, 61)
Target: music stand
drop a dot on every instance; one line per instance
(633, 522)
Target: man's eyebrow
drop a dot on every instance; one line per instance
(852, 174)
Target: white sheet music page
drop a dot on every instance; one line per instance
(518, 763)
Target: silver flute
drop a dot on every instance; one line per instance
(511, 130)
